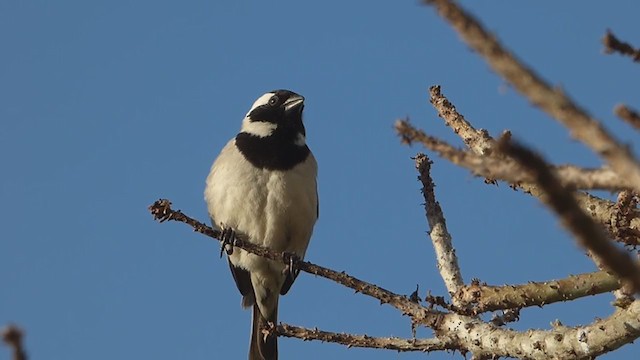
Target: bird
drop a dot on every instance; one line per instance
(262, 187)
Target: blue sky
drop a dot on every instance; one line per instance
(107, 106)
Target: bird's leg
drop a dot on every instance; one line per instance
(292, 269)
(228, 238)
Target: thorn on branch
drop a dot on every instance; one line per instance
(414, 297)
(507, 316)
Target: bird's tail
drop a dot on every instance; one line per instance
(263, 347)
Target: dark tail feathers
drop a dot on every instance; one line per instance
(263, 348)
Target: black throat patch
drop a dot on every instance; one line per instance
(275, 152)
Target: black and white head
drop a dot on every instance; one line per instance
(272, 135)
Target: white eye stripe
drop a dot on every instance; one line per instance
(262, 100)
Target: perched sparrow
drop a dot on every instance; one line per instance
(262, 188)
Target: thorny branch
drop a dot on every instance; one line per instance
(584, 342)
(447, 261)
(612, 45)
(561, 200)
(550, 99)
(621, 223)
(624, 212)
(496, 168)
(490, 163)
(162, 211)
(462, 332)
(484, 161)
(479, 141)
(365, 341)
(490, 298)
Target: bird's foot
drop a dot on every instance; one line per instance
(227, 239)
(293, 265)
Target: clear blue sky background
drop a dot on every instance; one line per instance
(107, 106)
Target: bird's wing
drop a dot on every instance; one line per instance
(243, 282)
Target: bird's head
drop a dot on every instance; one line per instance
(278, 111)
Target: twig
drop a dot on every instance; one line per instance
(552, 100)
(491, 298)
(446, 258)
(161, 210)
(364, 341)
(612, 45)
(562, 201)
(12, 336)
(478, 141)
(627, 114)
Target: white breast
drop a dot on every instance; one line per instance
(276, 209)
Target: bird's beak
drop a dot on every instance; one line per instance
(294, 103)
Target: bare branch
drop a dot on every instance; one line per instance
(494, 167)
(627, 114)
(447, 261)
(619, 224)
(562, 201)
(478, 141)
(552, 100)
(622, 225)
(562, 343)
(490, 298)
(468, 333)
(609, 214)
(463, 333)
(623, 213)
(613, 45)
(12, 336)
(161, 210)
(364, 341)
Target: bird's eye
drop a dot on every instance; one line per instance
(274, 100)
